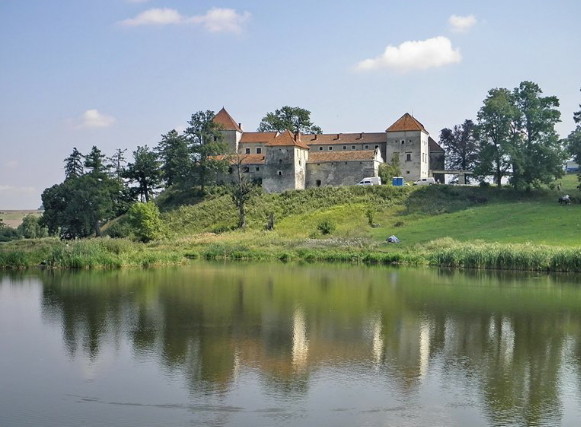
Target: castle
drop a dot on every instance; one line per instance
(282, 161)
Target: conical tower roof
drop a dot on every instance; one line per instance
(224, 119)
(405, 123)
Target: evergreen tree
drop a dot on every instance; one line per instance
(205, 141)
(74, 165)
(145, 171)
(176, 159)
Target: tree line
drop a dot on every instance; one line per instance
(97, 188)
(513, 139)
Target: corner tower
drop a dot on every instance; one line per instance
(408, 139)
(285, 163)
(231, 131)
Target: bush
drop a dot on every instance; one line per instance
(145, 221)
(326, 227)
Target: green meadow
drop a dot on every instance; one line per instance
(457, 226)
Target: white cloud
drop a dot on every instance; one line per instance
(414, 55)
(155, 17)
(216, 20)
(461, 24)
(95, 119)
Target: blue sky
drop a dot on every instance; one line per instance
(119, 73)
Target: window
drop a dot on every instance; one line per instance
(377, 146)
(300, 163)
(403, 141)
(248, 151)
(230, 170)
(257, 168)
(353, 147)
(318, 182)
(258, 150)
(344, 147)
(321, 148)
(279, 173)
(408, 157)
(245, 169)
(330, 148)
(366, 147)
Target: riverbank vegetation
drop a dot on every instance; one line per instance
(455, 226)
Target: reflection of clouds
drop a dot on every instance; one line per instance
(300, 341)
(503, 335)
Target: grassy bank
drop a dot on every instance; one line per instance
(462, 227)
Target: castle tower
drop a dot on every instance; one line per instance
(231, 131)
(408, 139)
(285, 163)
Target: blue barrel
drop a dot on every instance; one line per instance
(397, 181)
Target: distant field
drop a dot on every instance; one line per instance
(13, 218)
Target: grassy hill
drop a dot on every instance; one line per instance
(415, 214)
(458, 226)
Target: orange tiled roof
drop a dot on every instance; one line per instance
(224, 119)
(287, 139)
(405, 123)
(341, 156)
(433, 145)
(258, 137)
(345, 138)
(245, 159)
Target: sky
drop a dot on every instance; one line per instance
(118, 74)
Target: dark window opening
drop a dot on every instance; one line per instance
(279, 173)
(248, 151)
(330, 148)
(259, 150)
(245, 169)
(318, 183)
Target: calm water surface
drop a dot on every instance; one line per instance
(279, 345)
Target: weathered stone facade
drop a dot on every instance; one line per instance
(283, 161)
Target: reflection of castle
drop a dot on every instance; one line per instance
(283, 161)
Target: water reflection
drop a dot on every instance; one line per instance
(505, 341)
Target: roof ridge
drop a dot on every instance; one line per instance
(407, 122)
(224, 119)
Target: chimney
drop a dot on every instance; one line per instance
(240, 126)
(360, 136)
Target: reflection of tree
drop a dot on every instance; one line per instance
(209, 322)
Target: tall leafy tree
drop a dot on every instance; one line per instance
(205, 142)
(145, 171)
(461, 145)
(497, 134)
(294, 119)
(176, 159)
(538, 154)
(74, 164)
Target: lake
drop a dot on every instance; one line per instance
(289, 345)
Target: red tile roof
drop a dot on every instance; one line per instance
(341, 156)
(287, 139)
(258, 137)
(224, 119)
(406, 123)
(244, 159)
(345, 138)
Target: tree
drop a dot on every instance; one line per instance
(241, 191)
(145, 171)
(461, 145)
(496, 135)
(145, 220)
(388, 170)
(205, 141)
(117, 161)
(294, 119)
(31, 228)
(577, 116)
(176, 159)
(74, 165)
(78, 206)
(95, 163)
(538, 155)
